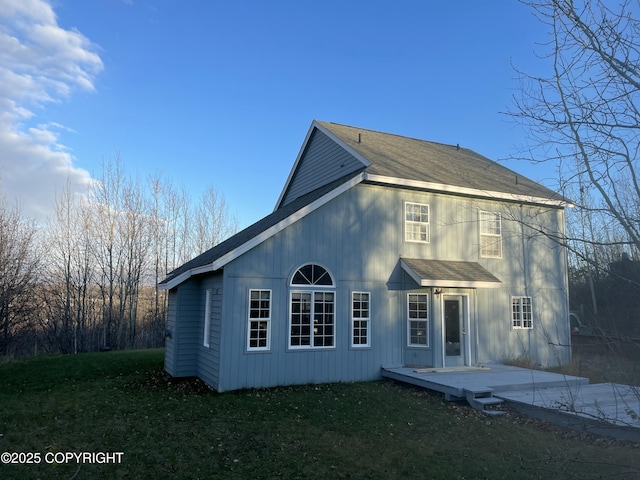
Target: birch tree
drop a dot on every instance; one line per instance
(213, 221)
(70, 275)
(135, 235)
(107, 202)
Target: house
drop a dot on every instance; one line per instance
(383, 251)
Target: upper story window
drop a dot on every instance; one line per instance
(490, 234)
(416, 222)
(312, 320)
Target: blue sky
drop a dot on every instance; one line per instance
(222, 93)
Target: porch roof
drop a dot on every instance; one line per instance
(447, 273)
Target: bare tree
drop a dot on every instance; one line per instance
(19, 268)
(106, 253)
(108, 205)
(585, 116)
(134, 233)
(213, 222)
(169, 214)
(70, 275)
(158, 231)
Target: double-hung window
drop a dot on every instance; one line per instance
(521, 313)
(259, 336)
(418, 319)
(490, 234)
(416, 222)
(312, 320)
(360, 318)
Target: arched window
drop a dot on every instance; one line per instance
(312, 274)
(312, 309)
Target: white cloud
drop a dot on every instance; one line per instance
(40, 63)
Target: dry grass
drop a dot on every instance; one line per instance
(604, 360)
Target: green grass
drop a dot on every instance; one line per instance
(123, 402)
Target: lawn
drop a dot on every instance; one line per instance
(123, 402)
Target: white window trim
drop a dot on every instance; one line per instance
(268, 320)
(365, 319)
(207, 319)
(521, 320)
(406, 222)
(313, 290)
(492, 235)
(426, 320)
(311, 285)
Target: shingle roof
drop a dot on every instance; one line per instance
(383, 155)
(256, 229)
(401, 157)
(446, 273)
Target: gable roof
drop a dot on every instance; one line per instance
(409, 162)
(218, 256)
(375, 157)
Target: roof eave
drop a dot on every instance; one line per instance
(266, 234)
(184, 276)
(457, 284)
(444, 283)
(453, 189)
(316, 125)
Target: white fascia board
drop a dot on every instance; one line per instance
(474, 192)
(257, 240)
(174, 282)
(291, 219)
(316, 125)
(457, 284)
(411, 273)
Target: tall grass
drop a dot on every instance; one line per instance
(604, 360)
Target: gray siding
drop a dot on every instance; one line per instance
(322, 162)
(281, 366)
(169, 344)
(209, 357)
(187, 331)
(185, 353)
(359, 237)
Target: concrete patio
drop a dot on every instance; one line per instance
(605, 409)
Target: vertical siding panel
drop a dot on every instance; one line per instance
(359, 237)
(169, 352)
(209, 358)
(187, 332)
(322, 162)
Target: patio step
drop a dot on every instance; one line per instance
(480, 398)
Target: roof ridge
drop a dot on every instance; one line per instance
(394, 156)
(457, 146)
